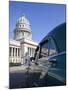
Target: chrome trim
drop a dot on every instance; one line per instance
(60, 78)
(64, 52)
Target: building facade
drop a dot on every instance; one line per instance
(22, 42)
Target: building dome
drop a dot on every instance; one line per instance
(23, 24)
(23, 29)
(22, 20)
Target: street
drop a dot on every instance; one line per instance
(22, 77)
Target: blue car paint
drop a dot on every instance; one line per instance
(57, 72)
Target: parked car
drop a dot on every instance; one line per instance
(50, 55)
(48, 66)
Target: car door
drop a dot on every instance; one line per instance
(56, 73)
(52, 64)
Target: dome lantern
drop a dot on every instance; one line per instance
(22, 20)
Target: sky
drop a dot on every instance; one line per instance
(43, 17)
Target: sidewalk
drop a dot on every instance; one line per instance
(24, 68)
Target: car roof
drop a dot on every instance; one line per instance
(59, 36)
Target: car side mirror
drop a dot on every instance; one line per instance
(53, 62)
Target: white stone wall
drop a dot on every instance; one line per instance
(15, 53)
(23, 47)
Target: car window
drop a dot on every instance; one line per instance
(48, 48)
(52, 48)
(44, 49)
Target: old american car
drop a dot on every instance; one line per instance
(50, 55)
(49, 63)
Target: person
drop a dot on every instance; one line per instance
(27, 59)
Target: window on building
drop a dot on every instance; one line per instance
(52, 48)
(44, 49)
(13, 51)
(23, 25)
(16, 51)
(28, 51)
(10, 51)
(33, 51)
(20, 26)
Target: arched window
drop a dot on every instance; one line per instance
(23, 25)
(20, 26)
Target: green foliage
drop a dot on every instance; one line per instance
(14, 64)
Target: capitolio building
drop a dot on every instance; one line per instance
(22, 42)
